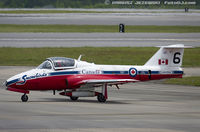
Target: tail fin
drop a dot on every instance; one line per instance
(171, 56)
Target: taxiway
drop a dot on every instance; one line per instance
(138, 18)
(97, 39)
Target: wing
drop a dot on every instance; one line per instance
(91, 83)
(109, 81)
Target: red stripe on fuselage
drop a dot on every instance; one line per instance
(74, 81)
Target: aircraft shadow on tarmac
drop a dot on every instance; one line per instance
(81, 101)
(53, 100)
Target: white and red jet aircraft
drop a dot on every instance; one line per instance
(76, 78)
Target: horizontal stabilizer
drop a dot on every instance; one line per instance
(175, 46)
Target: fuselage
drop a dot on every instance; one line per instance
(72, 78)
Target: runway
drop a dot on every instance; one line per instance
(97, 39)
(138, 18)
(137, 107)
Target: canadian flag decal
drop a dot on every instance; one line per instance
(163, 61)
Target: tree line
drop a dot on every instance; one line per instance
(48, 3)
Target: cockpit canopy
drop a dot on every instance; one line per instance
(57, 63)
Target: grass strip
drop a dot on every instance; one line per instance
(98, 28)
(56, 11)
(192, 81)
(98, 55)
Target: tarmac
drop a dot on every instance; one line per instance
(140, 107)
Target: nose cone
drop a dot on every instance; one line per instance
(11, 81)
(5, 84)
(15, 79)
(19, 79)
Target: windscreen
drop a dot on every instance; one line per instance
(45, 65)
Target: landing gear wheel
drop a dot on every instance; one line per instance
(101, 98)
(24, 98)
(73, 98)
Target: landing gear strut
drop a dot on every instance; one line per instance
(101, 97)
(24, 98)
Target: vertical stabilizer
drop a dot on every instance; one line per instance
(170, 56)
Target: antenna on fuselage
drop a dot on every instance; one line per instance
(79, 58)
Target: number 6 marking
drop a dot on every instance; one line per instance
(176, 59)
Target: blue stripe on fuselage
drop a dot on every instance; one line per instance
(115, 72)
(177, 72)
(11, 82)
(160, 72)
(112, 72)
(63, 73)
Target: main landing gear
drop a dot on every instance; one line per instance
(74, 95)
(73, 98)
(102, 97)
(24, 98)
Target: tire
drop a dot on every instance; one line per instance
(101, 98)
(24, 98)
(73, 98)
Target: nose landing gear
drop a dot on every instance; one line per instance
(24, 98)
